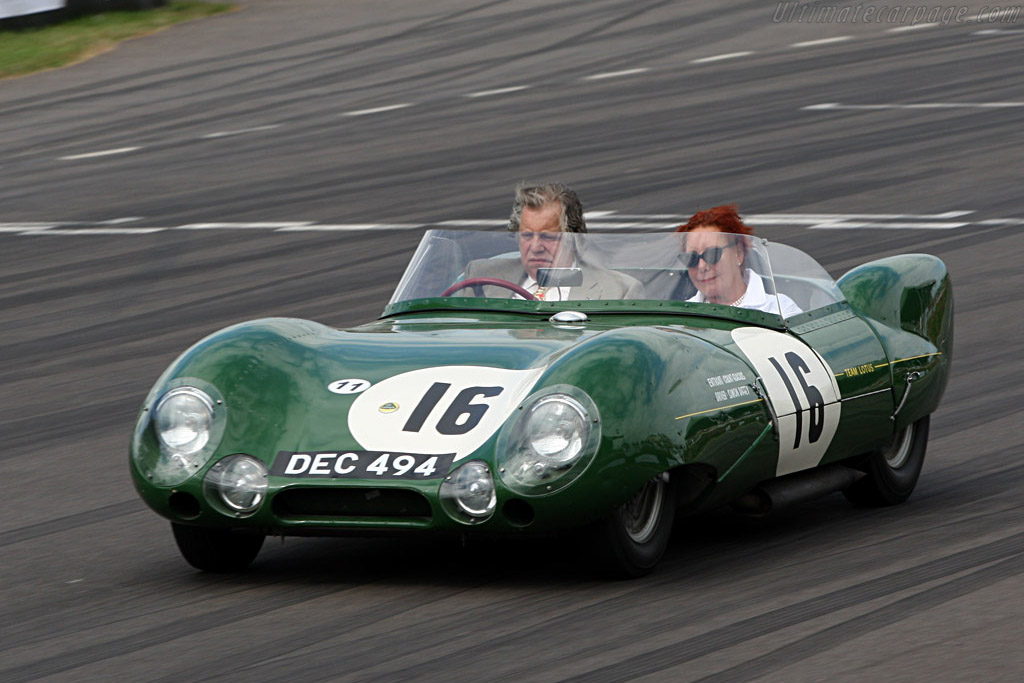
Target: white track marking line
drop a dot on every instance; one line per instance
(349, 227)
(470, 223)
(377, 110)
(651, 216)
(615, 74)
(600, 225)
(822, 41)
(243, 226)
(240, 131)
(497, 91)
(28, 225)
(997, 31)
(848, 225)
(915, 27)
(103, 153)
(830, 106)
(719, 58)
(792, 218)
(93, 231)
(597, 220)
(1002, 221)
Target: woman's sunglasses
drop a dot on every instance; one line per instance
(711, 256)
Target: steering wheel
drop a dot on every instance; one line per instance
(478, 281)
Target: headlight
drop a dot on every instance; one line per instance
(467, 494)
(557, 428)
(238, 483)
(179, 428)
(551, 443)
(183, 420)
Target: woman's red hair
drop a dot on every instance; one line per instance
(725, 218)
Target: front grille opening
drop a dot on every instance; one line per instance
(303, 503)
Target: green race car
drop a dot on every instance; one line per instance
(471, 407)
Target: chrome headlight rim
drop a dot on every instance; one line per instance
(154, 462)
(193, 392)
(455, 505)
(511, 442)
(217, 491)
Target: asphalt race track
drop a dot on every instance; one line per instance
(282, 160)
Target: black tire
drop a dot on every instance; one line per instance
(629, 542)
(891, 473)
(216, 550)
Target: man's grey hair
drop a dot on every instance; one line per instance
(536, 196)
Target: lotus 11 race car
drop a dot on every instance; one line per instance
(471, 407)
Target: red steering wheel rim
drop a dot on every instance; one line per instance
(497, 282)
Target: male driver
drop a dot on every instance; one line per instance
(541, 215)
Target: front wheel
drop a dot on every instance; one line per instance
(892, 472)
(216, 550)
(631, 540)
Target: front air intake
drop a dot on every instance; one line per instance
(299, 503)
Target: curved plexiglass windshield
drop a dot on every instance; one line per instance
(697, 267)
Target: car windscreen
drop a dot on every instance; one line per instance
(709, 268)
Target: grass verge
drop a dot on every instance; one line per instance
(29, 50)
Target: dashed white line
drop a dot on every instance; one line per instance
(811, 218)
(349, 227)
(471, 223)
(93, 231)
(22, 227)
(1002, 221)
(997, 31)
(618, 225)
(722, 57)
(828, 106)
(244, 226)
(914, 27)
(822, 41)
(596, 220)
(240, 131)
(616, 74)
(377, 110)
(849, 225)
(497, 91)
(102, 153)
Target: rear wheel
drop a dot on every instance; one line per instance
(891, 473)
(216, 550)
(631, 540)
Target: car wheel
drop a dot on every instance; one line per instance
(216, 550)
(891, 473)
(631, 540)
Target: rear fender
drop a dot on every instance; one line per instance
(909, 302)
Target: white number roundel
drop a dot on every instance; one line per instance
(802, 390)
(348, 386)
(448, 409)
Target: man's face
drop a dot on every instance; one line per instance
(540, 239)
(722, 281)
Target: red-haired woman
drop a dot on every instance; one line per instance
(715, 251)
